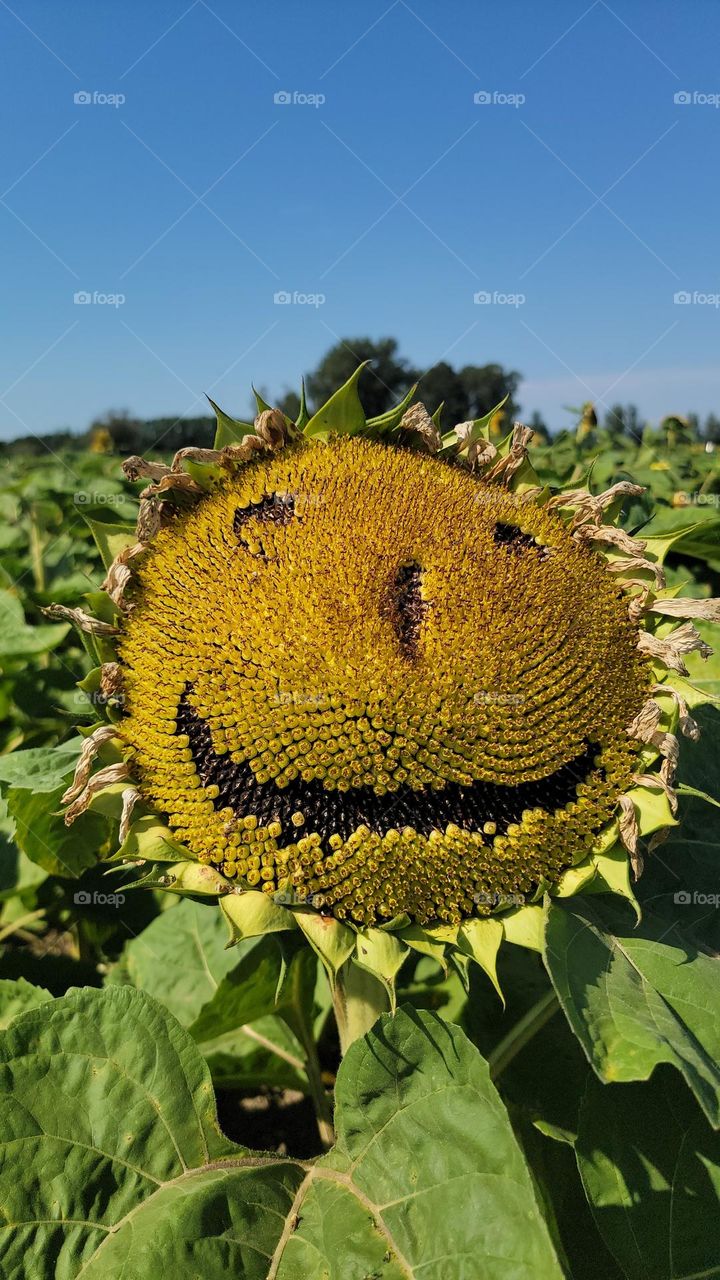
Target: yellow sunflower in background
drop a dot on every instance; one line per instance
(376, 683)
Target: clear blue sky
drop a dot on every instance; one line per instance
(398, 198)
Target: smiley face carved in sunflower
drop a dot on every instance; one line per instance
(363, 675)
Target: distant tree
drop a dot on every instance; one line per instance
(290, 404)
(170, 434)
(486, 385)
(442, 385)
(624, 420)
(124, 430)
(384, 383)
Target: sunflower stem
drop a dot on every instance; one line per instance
(321, 1102)
(358, 999)
(523, 1031)
(298, 1021)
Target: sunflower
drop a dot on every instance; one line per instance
(376, 683)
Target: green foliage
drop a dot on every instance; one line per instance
(594, 1152)
(148, 1184)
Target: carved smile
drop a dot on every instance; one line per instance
(342, 812)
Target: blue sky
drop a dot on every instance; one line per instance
(397, 199)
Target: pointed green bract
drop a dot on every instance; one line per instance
(342, 414)
(229, 430)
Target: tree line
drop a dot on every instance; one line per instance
(465, 393)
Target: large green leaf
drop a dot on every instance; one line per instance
(17, 639)
(183, 960)
(636, 996)
(40, 768)
(182, 957)
(650, 1164)
(41, 833)
(113, 1167)
(17, 996)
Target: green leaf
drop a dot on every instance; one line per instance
(330, 939)
(381, 954)
(40, 768)
(229, 430)
(151, 839)
(17, 638)
(17, 996)
(41, 834)
(679, 529)
(111, 536)
(388, 422)
(650, 1164)
(480, 939)
(253, 913)
(303, 416)
(119, 1170)
(636, 997)
(246, 991)
(342, 414)
(182, 957)
(426, 1179)
(262, 405)
(119, 1167)
(524, 926)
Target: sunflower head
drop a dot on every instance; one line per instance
(378, 680)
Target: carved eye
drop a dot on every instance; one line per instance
(274, 508)
(512, 537)
(409, 606)
(509, 535)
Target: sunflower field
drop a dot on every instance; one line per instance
(360, 853)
